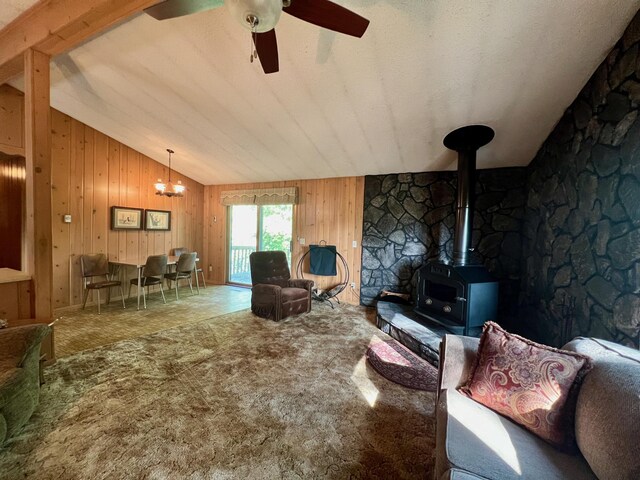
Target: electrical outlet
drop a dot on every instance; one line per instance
(302, 240)
(210, 268)
(353, 284)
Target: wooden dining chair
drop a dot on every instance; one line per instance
(153, 273)
(95, 267)
(184, 270)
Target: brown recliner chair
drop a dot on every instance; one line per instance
(274, 294)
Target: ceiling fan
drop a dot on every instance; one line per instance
(261, 16)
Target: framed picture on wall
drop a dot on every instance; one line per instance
(157, 220)
(126, 218)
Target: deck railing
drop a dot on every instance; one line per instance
(239, 268)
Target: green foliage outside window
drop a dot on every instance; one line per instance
(276, 228)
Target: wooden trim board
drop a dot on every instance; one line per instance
(55, 26)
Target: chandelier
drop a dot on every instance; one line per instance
(169, 189)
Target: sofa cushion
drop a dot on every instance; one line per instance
(457, 474)
(608, 409)
(478, 440)
(291, 294)
(532, 384)
(600, 350)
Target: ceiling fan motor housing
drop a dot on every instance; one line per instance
(266, 11)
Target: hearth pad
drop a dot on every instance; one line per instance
(397, 363)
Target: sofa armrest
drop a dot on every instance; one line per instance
(17, 342)
(457, 357)
(11, 381)
(301, 283)
(266, 301)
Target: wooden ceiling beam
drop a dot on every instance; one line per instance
(55, 26)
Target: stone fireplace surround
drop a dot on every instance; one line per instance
(410, 218)
(562, 235)
(582, 222)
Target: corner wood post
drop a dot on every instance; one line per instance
(37, 246)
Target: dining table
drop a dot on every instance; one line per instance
(138, 263)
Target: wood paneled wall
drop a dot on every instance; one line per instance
(15, 300)
(90, 173)
(329, 209)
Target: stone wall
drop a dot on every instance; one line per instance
(582, 221)
(409, 218)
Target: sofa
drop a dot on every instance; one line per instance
(19, 376)
(474, 442)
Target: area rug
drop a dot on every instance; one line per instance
(233, 397)
(397, 363)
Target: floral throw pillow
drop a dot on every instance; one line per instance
(532, 384)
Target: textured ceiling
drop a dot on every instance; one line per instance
(10, 9)
(340, 106)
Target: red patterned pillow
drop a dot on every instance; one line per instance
(532, 384)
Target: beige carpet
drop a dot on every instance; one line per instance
(233, 397)
(77, 330)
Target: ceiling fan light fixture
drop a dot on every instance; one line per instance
(261, 16)
(267, 13)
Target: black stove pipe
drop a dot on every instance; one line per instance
(466, 141)
(464, 206)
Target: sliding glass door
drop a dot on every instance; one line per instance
(242, 241)
(251, 228)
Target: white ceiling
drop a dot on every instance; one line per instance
(340, 106)
(12, 8)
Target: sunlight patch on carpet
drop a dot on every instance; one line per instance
(361, 380)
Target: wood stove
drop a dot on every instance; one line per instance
(460, 296)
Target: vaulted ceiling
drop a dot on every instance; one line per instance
(339, 106)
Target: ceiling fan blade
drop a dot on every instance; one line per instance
(329, 15)
(178, 8)
(267, 48)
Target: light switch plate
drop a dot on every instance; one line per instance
(354, 244)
